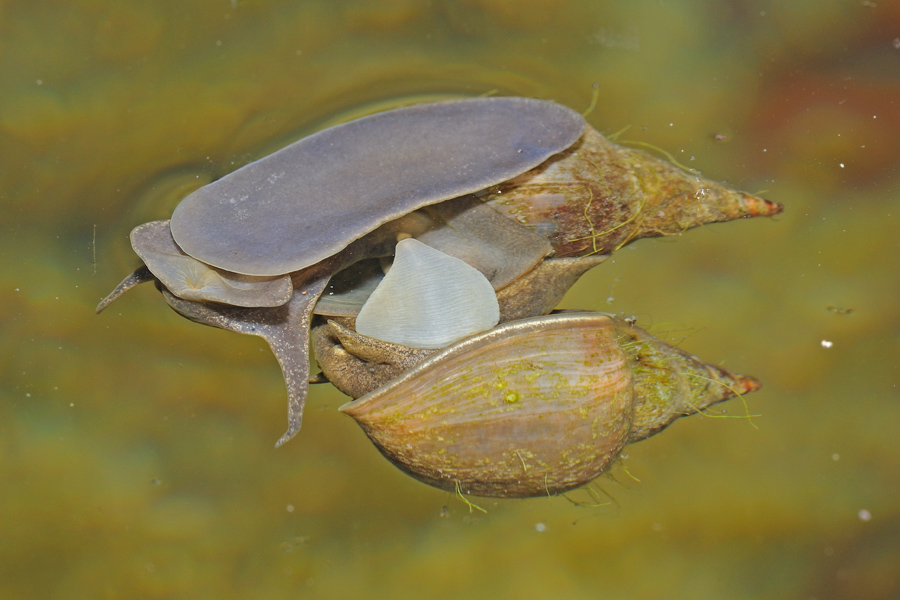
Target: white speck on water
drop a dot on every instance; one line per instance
(835, 457)
(864, 515)
(40, 82)
(827, 344)
(290, 508)
(540, 527)
(842, 165)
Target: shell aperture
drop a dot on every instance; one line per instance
(481, 236)
(428, 300)
(463, 227)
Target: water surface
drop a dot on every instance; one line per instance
(136, 448)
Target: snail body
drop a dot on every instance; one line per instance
(307, 201)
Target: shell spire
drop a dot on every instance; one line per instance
(597, 196)
(669, 383)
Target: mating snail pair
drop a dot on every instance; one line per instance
(494, 207)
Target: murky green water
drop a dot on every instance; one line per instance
(136, 454)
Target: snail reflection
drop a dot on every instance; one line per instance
(445, 234)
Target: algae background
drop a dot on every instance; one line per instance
(136, 448)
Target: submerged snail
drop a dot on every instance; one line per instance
(519, 192)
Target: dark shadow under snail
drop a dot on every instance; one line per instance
(491, 209)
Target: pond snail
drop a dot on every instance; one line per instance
(494, 208)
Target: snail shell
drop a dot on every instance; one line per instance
(536, 406)
(532, 407)
(596, 196)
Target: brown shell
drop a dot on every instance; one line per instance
(533, 407)
(596, 196)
